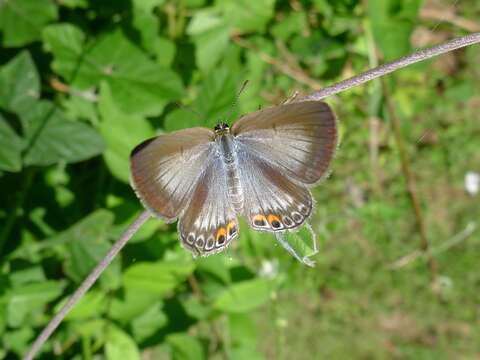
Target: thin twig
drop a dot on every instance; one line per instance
(394, 65)
(86, 284)
(283, 66)
(417, 254)
(410, 181)
(429, 13)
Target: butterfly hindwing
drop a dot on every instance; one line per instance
(272, 201)
(209, 224)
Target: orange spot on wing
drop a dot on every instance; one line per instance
(231, 228)
(221, 231)
(271, 218)
(259, 220)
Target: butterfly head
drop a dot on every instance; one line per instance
(221, 129)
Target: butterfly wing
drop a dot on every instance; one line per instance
(298, 138)
(209, 223)
(166, 169)
(272, 201)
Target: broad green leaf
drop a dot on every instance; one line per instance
(392, 24)
(182, 119)
(247, 15)
(244, 296)
(11, 146)
(157, 277)
(185, 347)
(138, 84)
(122, 133)
(92, 304)
(242, 329)
(293, 23)
(21, 277)
(215, 101)
(19, 83)
(149, 322)
(87, 245)
(120, 345)
(211, 34)
(26, 299)
(18, 340)
(51, 138)
(131, 305)
(21, 21)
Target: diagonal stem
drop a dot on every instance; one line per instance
(387, 68)
(87, 284)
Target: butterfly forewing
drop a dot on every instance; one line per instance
(166, 169)
(298, 138)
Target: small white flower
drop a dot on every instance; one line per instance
(472, 182)
(269, 269)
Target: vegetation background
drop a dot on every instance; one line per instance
(83, 81)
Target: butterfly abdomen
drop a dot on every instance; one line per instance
(234, 186)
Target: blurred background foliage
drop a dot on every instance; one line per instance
(83, 81)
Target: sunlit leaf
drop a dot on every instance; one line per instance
(21, 21)
(138, 85)
(244, 296)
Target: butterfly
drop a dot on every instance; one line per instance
(261, 168)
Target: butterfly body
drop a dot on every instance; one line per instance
(260, 169)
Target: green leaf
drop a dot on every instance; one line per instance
(87, 245)
(21, 21)
(121, 132)
(181, 119)
(149, 322)
(51, 138)
(138, 84)
(216, 97)
(27, 299)
(185, 347)
(19, 83)
(392, 24)
(157, 277)
(244, 296)
(293, 23)
(18, 340)
(91, 305)
(211, 34)
(247, 15)
(10, 148)
(120, 345)
(133, 304)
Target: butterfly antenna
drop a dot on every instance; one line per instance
(188, 108)
(234, 103)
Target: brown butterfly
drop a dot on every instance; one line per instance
(260, 168)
